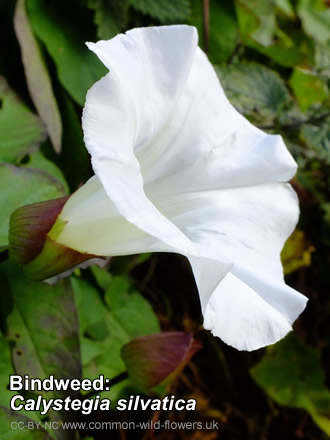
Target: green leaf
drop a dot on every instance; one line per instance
(128, 315)
(308, 88)
(43, 326)
(37, 76)
(74, 159)
(223, 29)
(39, 162)
(259, 30)
(102, 276)
(166, 11)
(315, 18)
(33, 430)
(326, 209)
(297, 252)
(6, 367)
(288, 56)
(257, 20)
(43, 329)
(142, 258)
(90, 349)
(5, 370)
(20, 130)
(130, 312)
(322, 59)
(24, 186)
(291, 374)
(90, 307)
(285, 7)
(78, 69)
(110, 16)
(254, 89)
(317, 136)
(196, 19)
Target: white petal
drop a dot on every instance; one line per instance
(242, 318)
(148, 70)
(129, 106)
(169, 116)
(244, 226)
(275, 292)
(205, 132)
(240, 231)
(200, 120)
(94, 225)
(247, 157)
(208, 274)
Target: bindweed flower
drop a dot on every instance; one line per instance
(178, 169)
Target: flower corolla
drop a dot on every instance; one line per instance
(178, 169)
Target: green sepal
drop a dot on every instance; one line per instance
(53, 260)
(29, 226)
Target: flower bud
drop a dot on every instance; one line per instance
(152, 359)
(32, 236)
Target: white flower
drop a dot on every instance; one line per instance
(178, 169)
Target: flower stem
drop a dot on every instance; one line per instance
(206, 25)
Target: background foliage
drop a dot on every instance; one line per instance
(273, 59)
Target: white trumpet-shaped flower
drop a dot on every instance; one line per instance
(178, 169)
